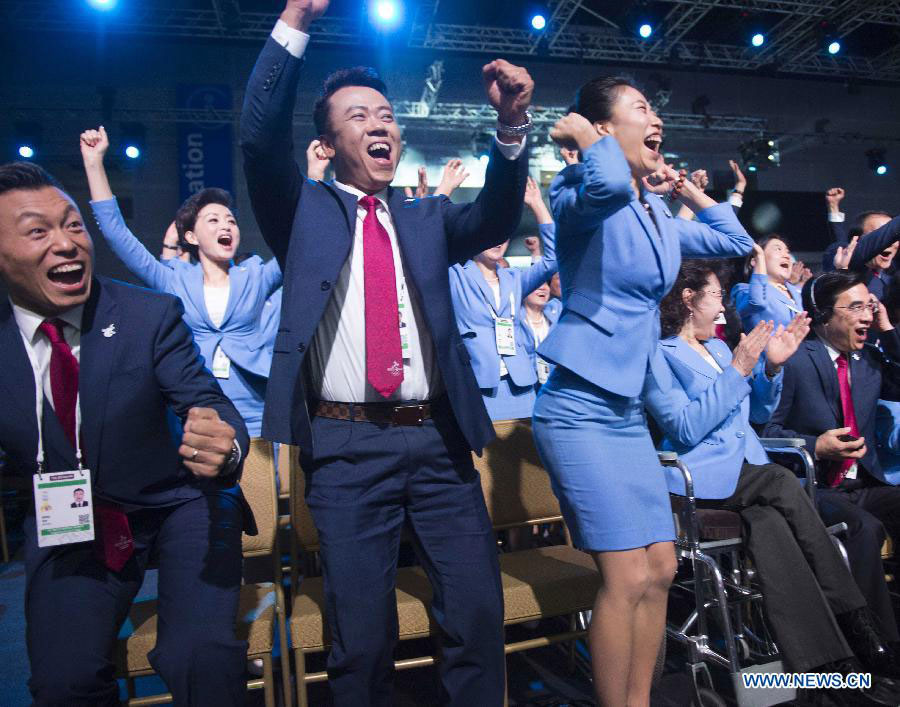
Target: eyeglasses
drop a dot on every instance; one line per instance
(859, 307)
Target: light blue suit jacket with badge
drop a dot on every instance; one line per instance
(706, 415)
(615, 267)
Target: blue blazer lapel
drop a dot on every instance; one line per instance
(473, 273)
(18, 375)
(99, 349)
(827, 375)
(679, 348)
(507, 284)
(237, 284)
(654, 234)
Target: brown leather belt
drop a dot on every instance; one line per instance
(381, 413)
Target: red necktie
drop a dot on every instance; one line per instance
(63, 376)
(384, 357)
(840, 469)
(115, 543)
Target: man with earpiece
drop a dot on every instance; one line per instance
(831, 388)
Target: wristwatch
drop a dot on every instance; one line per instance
(516, 130)
(234, 457)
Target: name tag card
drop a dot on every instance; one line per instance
(504, 332)
(221, 364)
(63, 507)
(403, 313)
(543, 370)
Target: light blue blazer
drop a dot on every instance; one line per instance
(757, 301)
(252, 283)
(887, 432)
(551, 314)
(615, 267)
(473, 302)
(706, 415)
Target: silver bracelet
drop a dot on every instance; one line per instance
(516, 130)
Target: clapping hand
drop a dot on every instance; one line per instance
(747, 352)
(94, 144)
(882, 320)
(508, 89)
(700, 179)
(740, 181)
(454, 174)
(799, 273)
(843, 256)
(785, 341)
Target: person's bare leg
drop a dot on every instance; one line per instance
(650, 623)
(625, 576)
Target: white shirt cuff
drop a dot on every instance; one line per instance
(291, 39)
(836, 217)
(736, 200)
(511, 150)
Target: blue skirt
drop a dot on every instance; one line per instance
(597, 450)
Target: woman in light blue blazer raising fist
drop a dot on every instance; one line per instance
(619, 249)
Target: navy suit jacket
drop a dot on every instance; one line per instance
(310, 225)
(867, 248)
(811, 400)
(127, 382)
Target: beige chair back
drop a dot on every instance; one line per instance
(285, 452)
(301, 521)
(258, 485)
(516, 486)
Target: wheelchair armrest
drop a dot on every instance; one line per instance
(666, 457)
(688, 512)
(797, 447)
(837, 528)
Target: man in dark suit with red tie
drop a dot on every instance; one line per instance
(91, 369)
(370, 377)
(831, 388)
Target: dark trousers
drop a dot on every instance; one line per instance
(364, 482)
(803, 578)
(75, 607)
(871, 514)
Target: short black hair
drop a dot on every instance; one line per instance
(693, 275)
(186, 216)
(354, 76)
(821, 292)
(596, 98)
(25, 175)
(857, 228)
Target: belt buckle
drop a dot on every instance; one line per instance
(408, 415)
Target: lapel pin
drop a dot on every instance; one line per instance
(856, 357)
(109, 331)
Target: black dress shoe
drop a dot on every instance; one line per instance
(875, 654)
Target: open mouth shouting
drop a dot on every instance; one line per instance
(380, 152)
(67, 277)
(226, 240)
(653, 143)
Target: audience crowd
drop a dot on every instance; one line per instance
(384, 337)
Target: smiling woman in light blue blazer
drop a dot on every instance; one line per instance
(768, 296)
(704, 399)
(483, 293)
(224, 304)
(619, 249)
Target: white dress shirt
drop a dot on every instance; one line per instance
(338, 354)
(38, 346)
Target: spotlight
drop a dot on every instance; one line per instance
(875, 157)
(386, 13)
(645, 30)
(834, 47)
(758, 39)
(538, 22)
(28, 139)
(102, 5)
(760, 153)
(132, 152)
(134, 137)
(26, 151)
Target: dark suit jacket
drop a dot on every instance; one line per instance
(126, 383)
(811, 401)
(310, 225)
(867, 248)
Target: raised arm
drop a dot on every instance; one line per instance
(272, 277)
(872, 243)
(123, 242)
(274, 180)
(716, 233)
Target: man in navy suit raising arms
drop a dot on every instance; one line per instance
(370, 376)
(91, 368)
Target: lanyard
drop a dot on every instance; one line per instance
(39, 412)
(512, 305)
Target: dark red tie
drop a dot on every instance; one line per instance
(384, 356)
(114, 543)
(63, 376)
(840, 469)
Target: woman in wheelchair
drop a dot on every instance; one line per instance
(704, 398)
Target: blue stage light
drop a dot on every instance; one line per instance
(881, 170)
(645, 30)
(758, 39)
(102, 5)
(538, 22)
(386, 13)
(834, 47)
(26, 151)
(132, 152)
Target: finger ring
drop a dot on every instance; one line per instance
(194, 455)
